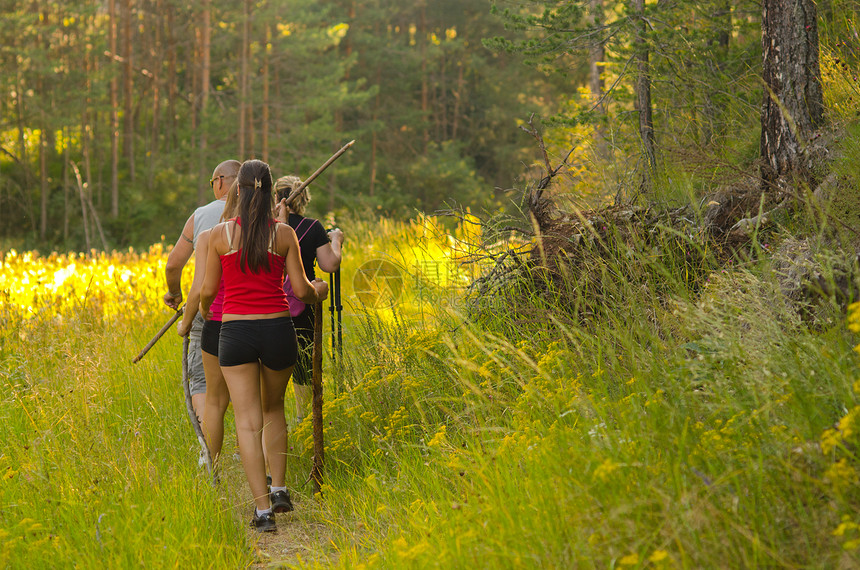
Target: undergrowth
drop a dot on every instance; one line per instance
(690, 418)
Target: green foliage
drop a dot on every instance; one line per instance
(412, 85)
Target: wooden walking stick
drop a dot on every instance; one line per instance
(159, 334)
(186, 387)
(319, 171)
(319, 447)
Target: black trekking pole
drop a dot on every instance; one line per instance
(331, 305)
(339, 308)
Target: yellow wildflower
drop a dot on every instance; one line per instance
(841, 474)
(830, 439)
(440, 438)
(630, 560)
(846, 525)
(605, 469)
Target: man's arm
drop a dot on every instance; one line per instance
(176, 260)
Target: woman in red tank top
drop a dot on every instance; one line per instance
(257, 340)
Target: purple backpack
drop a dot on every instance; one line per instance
(297, 306)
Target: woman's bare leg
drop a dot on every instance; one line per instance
(272, 387)
(243, 382)
(217, 400)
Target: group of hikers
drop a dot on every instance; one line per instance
(250, 316)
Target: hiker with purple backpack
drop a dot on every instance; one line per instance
(315, 245)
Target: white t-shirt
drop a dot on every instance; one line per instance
(207, 217)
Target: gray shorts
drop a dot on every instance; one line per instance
(196, 377)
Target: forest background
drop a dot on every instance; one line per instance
(145, 97)
(116, 112)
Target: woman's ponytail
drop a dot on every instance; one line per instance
(255, 212)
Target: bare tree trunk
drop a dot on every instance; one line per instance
(155, 64)
(128, 94)
(458, 99)
(194, 91)
(43, 138)
(793, 104)
(373, 137)
(171, 82)
(249, 104)
(720, 46)
(205, 84)
(643, 98)
(265, 118)
(20, 89)
(84, 216)
(597, 56)
(425, 88)
(243, 79)
(86, 129)
(114, 115)
(43, 175)
(338, 113)
(65, 185)
(440, 101)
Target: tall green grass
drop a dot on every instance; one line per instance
(678, 425)
(671, 413)
(98, 468)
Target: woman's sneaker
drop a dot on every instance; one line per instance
(264, 522)
(281, 502)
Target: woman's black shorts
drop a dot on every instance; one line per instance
(271, 341)
(209, 337)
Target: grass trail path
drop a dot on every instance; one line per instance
(302, 534)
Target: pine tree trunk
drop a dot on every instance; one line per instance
(643, 98)
(243, 97)
(596, 58)
(128, 91)
(114, 114)
(425, 89)
(86, 135)
(170, 134)
(155, 66)
(793, 104)
(43, 175)
(264, 151)
(203, 99)
(373, 136)
(65, 185)
(43, 138)
(458, 99)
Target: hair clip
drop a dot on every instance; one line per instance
(258, 183)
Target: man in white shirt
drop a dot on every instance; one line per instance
(203, 218)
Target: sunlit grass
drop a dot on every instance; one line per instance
(703, 431)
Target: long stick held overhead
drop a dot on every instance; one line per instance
(319, 171)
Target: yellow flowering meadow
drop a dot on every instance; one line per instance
(33, 286)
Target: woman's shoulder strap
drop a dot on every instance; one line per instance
(299, 225)
(229, 234)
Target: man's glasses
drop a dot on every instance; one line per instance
(212, 180)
